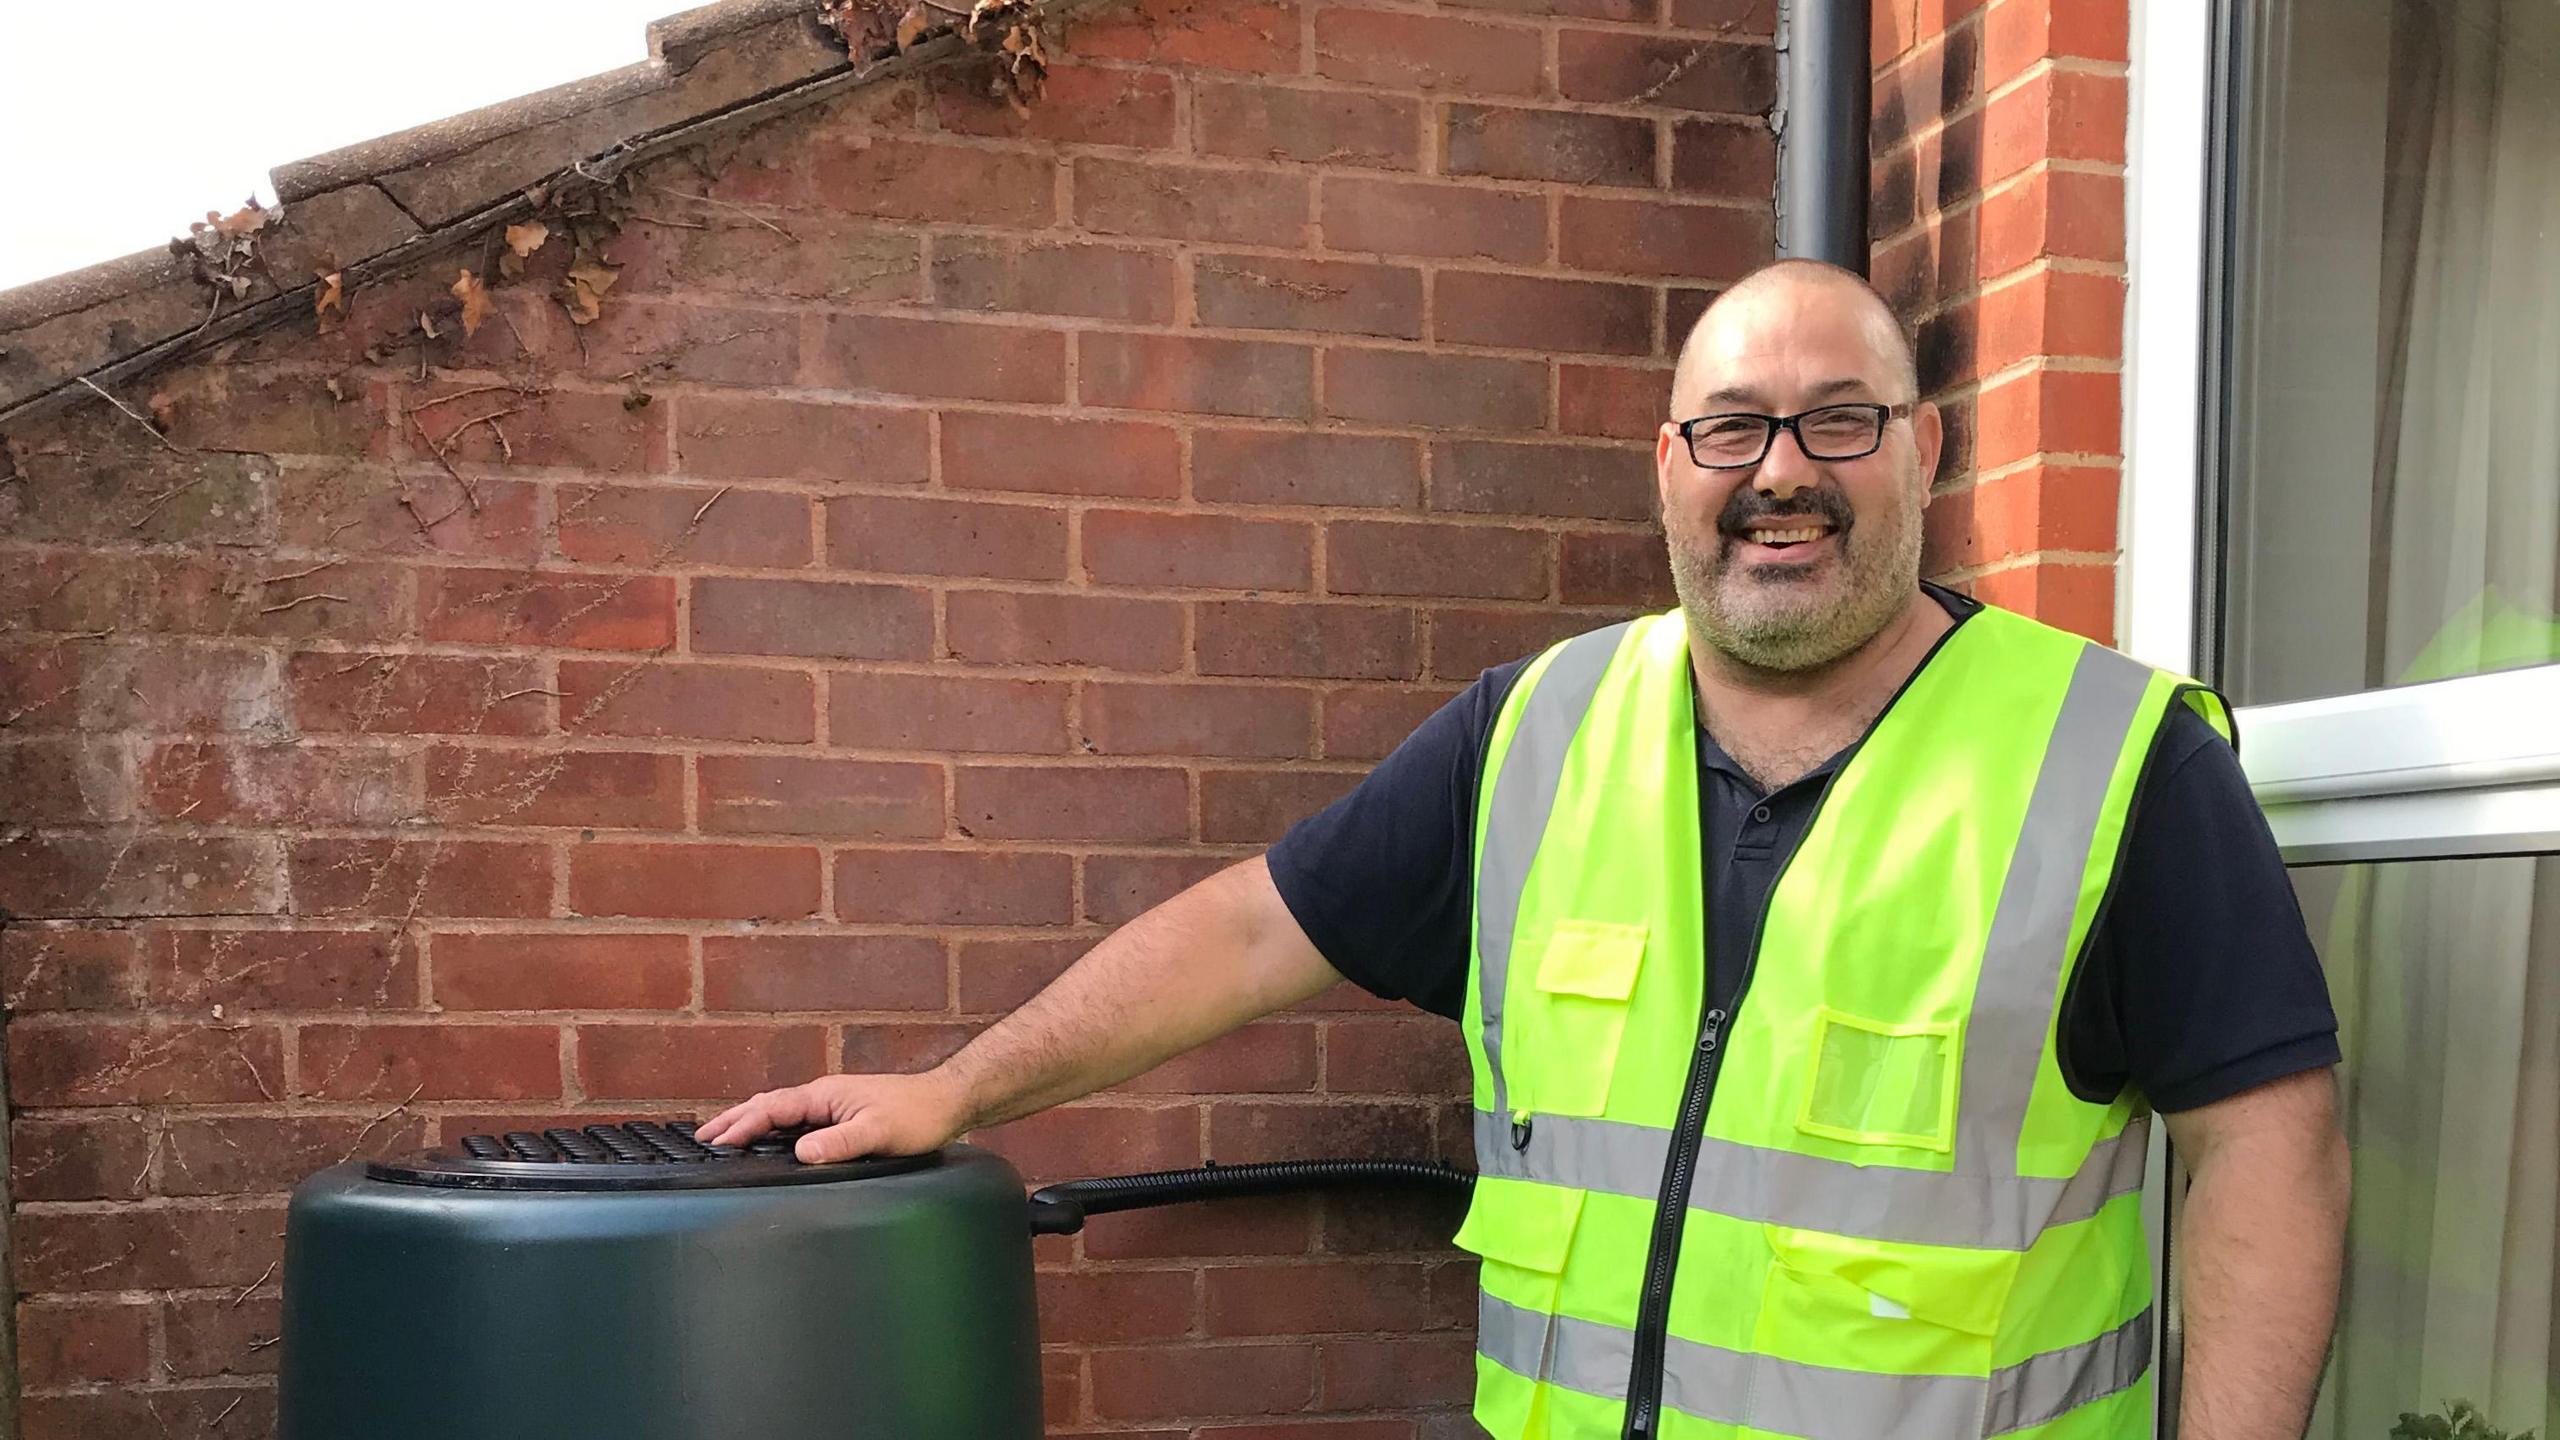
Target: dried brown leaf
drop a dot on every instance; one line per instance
(329, 302)
(477, 307)
(583, 291)
(427, 326)
(912, 26)
(524, 239)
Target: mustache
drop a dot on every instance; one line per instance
(1748, 504)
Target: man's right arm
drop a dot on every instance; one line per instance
(1219, 954)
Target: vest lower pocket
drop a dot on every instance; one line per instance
(1522, 1231)
(1885, 1308)
(1584, 982)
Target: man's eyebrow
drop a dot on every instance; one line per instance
(1732, 396)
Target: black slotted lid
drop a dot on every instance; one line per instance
(637, 1155)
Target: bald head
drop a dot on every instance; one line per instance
(1763, 307)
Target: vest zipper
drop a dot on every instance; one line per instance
(1671, 1210)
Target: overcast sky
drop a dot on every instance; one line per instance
(122, 120)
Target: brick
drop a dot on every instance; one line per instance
(601, 789)
(745, 437)
(2052, 312)
(1315, 127)
(1595, 482)
(1210, 552)
(95, 1155)
(1717, 243)
(347, 508)
(245, 408)
(1745, 17)
(1083, 802)
(1079, 105)
(798, 795)
(2066, 213)
(650, 340)
(2080, 598)
(1249, 37)
(1938, 77)
(1566, 146)
(1091, 1139)
(1611, 568)
(1051, 277)
(652, 526)
(941, 358)
(952, 887)
(1945, 351)
(1298, 467)
(94, 1063)
(2043, 507)
(1364, 722)
(1379, 557)
(1161, 1382)
(1348, 642)
(1621, 401)
(905, 179)
(1115, 1306)
(2056, 115)
(447, 1060)
(1120, 888)
(417, 694)
(1333, 1298)
(1370, 1374)
(1254, 807)
(997, 976)
(260, 970)
(1196, 376)
(1465, 392)
(1466, 643)
(1000, 628)
(812, 618)
(1617, 67)
(514, 607)
(615, 971)
(132, 876)
(1420, 217)
(2048, 411)
(1271, 1058)
(899, 1047)
(76, 782)
(401, 878)
(1927, 265)
(823, 972)
(1188, 202)
(73, 1344)
(1531, 312)
(188, 594)
(1398, 1056)
(211, 1336)
(821, 258)
(705, 1062)
(97, 1415)
(899, 535)
(2015, 37)
(568, 428)
(947, 712)
(65, 1252)
(702, 702)
(65, 969)
(102, 494)
(1061, 457)
(1396, 51)
(244, 1155)
(1731, 160)
(1274, 722)
(1254, 292)
(694, 882)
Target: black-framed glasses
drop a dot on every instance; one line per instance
(1827, 432)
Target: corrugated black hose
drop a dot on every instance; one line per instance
(1060, 1209)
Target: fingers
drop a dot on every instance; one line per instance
(771, 1110)
(859, 1135)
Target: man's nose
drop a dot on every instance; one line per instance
(1786, 469)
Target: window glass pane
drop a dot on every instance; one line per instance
(2392, 443)
(2447, 980)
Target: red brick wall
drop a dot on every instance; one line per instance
(959, 532)
(1999, 223)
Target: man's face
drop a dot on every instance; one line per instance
(1795, 562)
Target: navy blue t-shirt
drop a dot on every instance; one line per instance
(2199, 983)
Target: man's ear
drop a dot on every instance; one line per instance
(1668, 448)
(1928, 439)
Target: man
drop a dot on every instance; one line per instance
(1816, 977)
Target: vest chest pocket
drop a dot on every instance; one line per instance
(1583, 986)
(1879, 1084)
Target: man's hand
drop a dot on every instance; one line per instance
(2263, 1238)
(863, 1115)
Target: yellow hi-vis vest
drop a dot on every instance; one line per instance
(1865, 1203)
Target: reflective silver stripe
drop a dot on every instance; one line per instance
(1783, 1187)
(2028, 948)
(1816, 1402)
(1524, 795)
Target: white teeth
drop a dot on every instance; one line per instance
(1788, 537)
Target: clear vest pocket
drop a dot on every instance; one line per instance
(1585, 979)
(1879, 1084)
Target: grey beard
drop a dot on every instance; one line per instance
(1784, 637)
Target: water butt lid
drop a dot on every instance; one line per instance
(639, 1155)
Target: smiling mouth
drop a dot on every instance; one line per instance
(1777, 543)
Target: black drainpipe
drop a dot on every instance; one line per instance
(1821, 120)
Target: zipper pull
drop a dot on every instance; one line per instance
(1713, 1034)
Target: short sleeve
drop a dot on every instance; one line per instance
(2202, 981)
(1380, 880)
